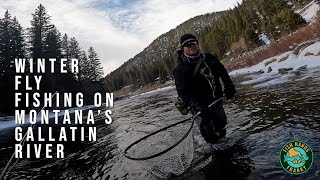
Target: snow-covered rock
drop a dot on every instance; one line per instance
(309, 12)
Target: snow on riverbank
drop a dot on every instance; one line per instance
(157, 90)
(309, 12)
(293, 61)
(309, 57)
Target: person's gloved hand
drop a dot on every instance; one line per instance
(229, 91)
(196, 108)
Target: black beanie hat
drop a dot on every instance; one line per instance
(187, 38)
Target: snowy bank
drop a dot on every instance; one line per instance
(269, 71)
(157, 90)
(305, 57)
(309, 12)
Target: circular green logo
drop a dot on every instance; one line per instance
(296, 157)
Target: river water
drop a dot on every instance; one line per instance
(268, 113)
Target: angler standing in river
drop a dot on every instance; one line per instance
(197, 79)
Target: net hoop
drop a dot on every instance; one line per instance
(162, 129)
(164, 151)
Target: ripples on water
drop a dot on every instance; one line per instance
(270, 116)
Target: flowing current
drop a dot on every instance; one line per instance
(268, 115)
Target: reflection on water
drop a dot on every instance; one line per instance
(269, 116)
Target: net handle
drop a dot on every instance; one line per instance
(162, 129)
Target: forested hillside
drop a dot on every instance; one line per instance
(228, 33)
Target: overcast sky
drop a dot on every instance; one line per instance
(117, 29)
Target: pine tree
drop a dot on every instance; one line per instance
(6, 42)
(74, 53)
(52, 44)
(239, 22)
(65, 48)
(74, 48)
(42, 34)
(68, 78)
(18, 39)
(84, 69)
(96, 71)
(66, 53)
(11, 43)
(40, 26)
(52, 49)
(11, 47)
(287, 20)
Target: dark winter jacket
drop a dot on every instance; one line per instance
(196, 91)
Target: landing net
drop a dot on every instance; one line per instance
(166, 151)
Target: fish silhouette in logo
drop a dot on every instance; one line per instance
(291, 159)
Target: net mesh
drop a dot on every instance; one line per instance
(175, 161)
